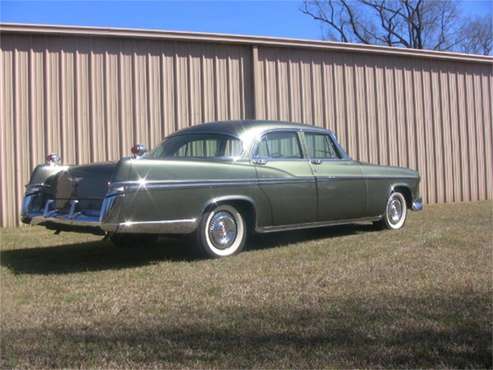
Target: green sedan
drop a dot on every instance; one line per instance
(219, 182)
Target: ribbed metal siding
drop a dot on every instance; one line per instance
(111, 92)
(433, 116)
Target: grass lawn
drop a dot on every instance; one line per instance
(335, 297)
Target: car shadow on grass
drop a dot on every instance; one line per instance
(88, 256)
(103, 255)
(285, 238)
(439, 330)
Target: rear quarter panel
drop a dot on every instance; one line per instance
(170, 190)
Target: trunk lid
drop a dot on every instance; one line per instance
(87, 183)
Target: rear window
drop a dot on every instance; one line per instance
(198, 146)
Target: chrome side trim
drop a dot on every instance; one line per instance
(390, 177)
(150, 182)
(311, 225)
(164, 185)
(132, 223)
(297, 180)
(174, 184)
(329, 178)
(179, 226)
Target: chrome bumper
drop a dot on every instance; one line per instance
(96, 221)
(417, 205)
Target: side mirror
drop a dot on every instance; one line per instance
(53, 159)
(138, 150)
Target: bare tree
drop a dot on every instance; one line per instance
(415, 24)
(477, 36)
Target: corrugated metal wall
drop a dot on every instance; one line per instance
(91, 98)
(433, 116)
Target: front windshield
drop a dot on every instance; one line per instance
(197, 146)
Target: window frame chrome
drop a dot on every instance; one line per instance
(237, 158)
(260, 137)
(344, 156)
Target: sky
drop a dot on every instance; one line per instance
(254, 17)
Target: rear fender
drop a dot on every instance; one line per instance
(42, 172)
(231, 199)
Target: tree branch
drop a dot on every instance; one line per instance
(354, 23)
(322, 17)
(408, 23)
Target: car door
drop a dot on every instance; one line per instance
(284, 174)
(341, 186)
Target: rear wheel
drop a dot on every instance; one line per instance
(132, 240)
(221, 233)
(395, 212)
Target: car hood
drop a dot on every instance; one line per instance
(381, 170)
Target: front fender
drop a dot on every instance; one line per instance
(413, 198)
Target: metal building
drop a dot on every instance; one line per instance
(89, 94)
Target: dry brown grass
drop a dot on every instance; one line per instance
(336, 297)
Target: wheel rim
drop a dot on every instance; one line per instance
(396, 211)
(222, 230)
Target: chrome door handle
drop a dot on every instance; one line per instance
(316, 161)
(260, 161)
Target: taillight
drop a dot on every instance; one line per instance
(53, 159)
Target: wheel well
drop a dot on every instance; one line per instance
(245, 207)
(404, 190)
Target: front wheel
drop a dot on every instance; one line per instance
(222, 232)
(395, 212)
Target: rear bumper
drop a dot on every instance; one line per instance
(81, 223)
(98, 221)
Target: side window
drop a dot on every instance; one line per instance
(279, 145)
(320, 146)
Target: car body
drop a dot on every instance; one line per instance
(277, 175)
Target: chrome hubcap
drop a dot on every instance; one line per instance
(222, 229)
(395, 211)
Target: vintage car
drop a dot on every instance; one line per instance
(219, 181)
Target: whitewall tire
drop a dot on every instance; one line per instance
(222, 232)
(395, 213)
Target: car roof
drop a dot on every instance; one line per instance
(248, 131)
(240, 127)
